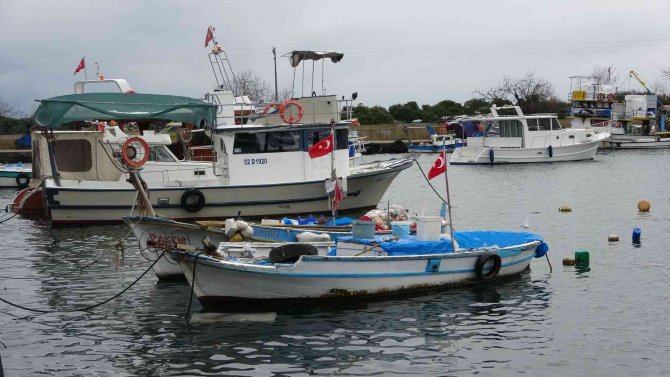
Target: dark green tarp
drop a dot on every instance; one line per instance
(56, 111)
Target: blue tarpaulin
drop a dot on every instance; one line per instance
(466, 240)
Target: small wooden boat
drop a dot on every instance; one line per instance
(359, 268)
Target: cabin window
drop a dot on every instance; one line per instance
(545, 124)
(510, 128)
(532, 124)
(313, 136)
(555, 124)
(160, 154)
(267, 142)
(73, 155)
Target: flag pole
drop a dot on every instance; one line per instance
(446, 181)
(85, 72)
(333, 174)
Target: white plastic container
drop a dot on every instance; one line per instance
(428, 228)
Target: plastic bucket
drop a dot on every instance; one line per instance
(428, 228)
(363, 230)
(400, 228)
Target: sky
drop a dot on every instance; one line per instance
(394, 51)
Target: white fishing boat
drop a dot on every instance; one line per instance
(357, 267)
(637, 122)
(15, 175)
(260, 166)
(523, 138)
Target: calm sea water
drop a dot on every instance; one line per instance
(609, 321)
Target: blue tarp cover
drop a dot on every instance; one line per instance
(466, 240)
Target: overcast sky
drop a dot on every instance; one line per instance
(394, 51)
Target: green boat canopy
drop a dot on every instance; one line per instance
(56, 111)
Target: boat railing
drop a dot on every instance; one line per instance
(322, 109)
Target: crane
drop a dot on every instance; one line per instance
(639, 79)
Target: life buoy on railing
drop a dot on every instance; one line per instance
(610, 97)
(135, 152)
(601, 96)
(292, 118)
(185, 135)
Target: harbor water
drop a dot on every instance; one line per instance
(610, 320)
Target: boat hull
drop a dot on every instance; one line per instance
(331, 277)
(433, 148)
(75, 202)
(640, 142)
(472, 155)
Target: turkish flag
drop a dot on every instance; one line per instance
(82, 65)
(439, 166)
(321, 148)
(210, 36)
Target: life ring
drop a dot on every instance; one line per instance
(601, 96)
(185, 135)
(290, 253)
(482, 260)
(135, 151)
(22, 180)
(101, 127)
(292, 118)
(192, 200)
(610, 97)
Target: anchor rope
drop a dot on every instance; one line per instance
(87, 308)
(190, 299)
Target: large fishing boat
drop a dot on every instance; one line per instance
(523, 138)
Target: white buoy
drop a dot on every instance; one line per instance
(613, 238)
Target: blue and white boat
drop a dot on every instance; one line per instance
(436, 143)
(356, 267)
(15, 175)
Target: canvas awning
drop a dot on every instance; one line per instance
(56, 111)
(298, 56)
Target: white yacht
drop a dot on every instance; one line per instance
(523, 138)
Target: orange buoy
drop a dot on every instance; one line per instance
(643, 206)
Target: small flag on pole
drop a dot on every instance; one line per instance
(334, 192)
(439, 166)
(321, 148)
(210, 36)
(82, 65)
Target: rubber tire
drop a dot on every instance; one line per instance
(21, 184)
(192, 206)
(290, 253)
(481, 262)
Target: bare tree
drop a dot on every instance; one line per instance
(666, 73)
(248, 84)
(529, 92)
(605, 75)
(7, 111)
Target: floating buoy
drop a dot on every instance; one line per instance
(565, 209)
(568, 261)
(643, 206)
(637, 234)
(582, 258)
(613, 238)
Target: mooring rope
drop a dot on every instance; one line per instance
(87, 308)
(190, 299)
(428, 180)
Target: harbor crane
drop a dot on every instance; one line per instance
(661, 106)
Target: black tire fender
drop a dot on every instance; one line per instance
(290, 253)
(192, 200)
(482, 260)
(22, 180)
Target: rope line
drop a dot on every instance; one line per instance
(428, 180)
(87, 308)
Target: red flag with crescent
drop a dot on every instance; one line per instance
(210, 36)
(321, 148)
(82, 65)
(439, 166)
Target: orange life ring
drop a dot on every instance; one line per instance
(292, 118)
(135, 151)
(266, 109)
(185, 135)
(610, 97)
